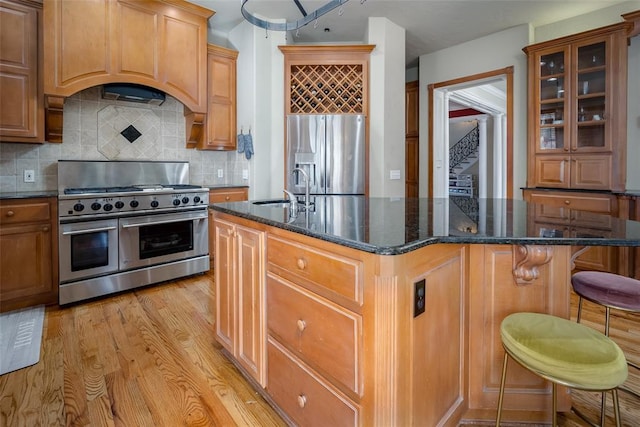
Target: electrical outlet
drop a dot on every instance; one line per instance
(29, 175)
(220, 173)
(245, 174)
(394, 174)
(419, 298)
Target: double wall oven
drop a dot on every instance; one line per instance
(128, 224)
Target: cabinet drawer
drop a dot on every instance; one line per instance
(581, 201)
(228, 195)
(321, 333)
(28, 212)
(293, 261)
(303, 395)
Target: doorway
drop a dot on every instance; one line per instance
(472, 91)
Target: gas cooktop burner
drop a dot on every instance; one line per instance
(93, 190)
(127, 189)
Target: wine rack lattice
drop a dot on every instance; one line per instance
(326, 89)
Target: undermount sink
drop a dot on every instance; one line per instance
(281, 203)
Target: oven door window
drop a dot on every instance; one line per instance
(89, 250)
(164, 239)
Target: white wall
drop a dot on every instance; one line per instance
(386, 108)
(496, 51)
(260, 86)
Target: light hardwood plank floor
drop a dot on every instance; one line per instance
(150, 358)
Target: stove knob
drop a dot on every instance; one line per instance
(176, 202)
(108, 207)
(78, 207)
(185, 200)
(196, 199)
(154, 204)
(133, 204)
(119, 205)
(96, 206)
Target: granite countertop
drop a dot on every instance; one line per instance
(220, 186)
(27, 194)
(391, 226)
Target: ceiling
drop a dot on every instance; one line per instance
(430, 25)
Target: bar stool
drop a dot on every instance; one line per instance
(564, 353)
(610, 291)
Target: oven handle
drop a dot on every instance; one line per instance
(90, 230)
(168, 221)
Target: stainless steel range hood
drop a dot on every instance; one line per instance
(132, 93)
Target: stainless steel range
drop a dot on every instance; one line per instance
(125, 224)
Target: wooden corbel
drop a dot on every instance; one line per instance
(527, 259)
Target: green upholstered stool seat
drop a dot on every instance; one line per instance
(564, 352)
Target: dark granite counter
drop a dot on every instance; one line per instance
(391, 226)
(27, 194)
(223, 186)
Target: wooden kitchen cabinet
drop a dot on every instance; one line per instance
(577, 110)
(240, 307)
(221, 195)
(314, 327)
(157, 43)
(28, 244)
(22, 101)
(221, 87)
(326, 79)
(576, 214)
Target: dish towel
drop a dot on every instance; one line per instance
(248, 146)
(240, 142)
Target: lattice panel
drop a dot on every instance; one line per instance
(326, 89)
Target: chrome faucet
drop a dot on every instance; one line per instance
(307, 204)
(293, 209)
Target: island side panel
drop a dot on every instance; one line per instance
(495, 293)
(415, 366)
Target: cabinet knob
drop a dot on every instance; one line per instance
(227, 198)
(302, 325)
(567, 202)
(45, 228)
(10, 213)
(302, 400)
(302, 264)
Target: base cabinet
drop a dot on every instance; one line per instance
(239, 275)
(576, 214)
(222, 195)
(28, 242)
(343, 345)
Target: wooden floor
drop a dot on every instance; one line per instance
(149, 358)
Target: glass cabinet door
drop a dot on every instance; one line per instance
(589, 97)
(552, 111)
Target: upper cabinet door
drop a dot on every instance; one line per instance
(21, 101)
(552, 79)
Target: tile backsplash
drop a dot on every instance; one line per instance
(94, 129)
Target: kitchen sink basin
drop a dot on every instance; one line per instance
(280, 203)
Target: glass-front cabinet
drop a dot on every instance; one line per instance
(577, 111)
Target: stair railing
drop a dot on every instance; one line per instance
(462, 149)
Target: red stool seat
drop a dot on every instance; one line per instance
(608, 289)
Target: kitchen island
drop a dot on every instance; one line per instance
(381, 311)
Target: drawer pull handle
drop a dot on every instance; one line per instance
(302, 325)
(10, 213)
(45, 228)
(302, 400)
(567, 202)
(302, 264)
